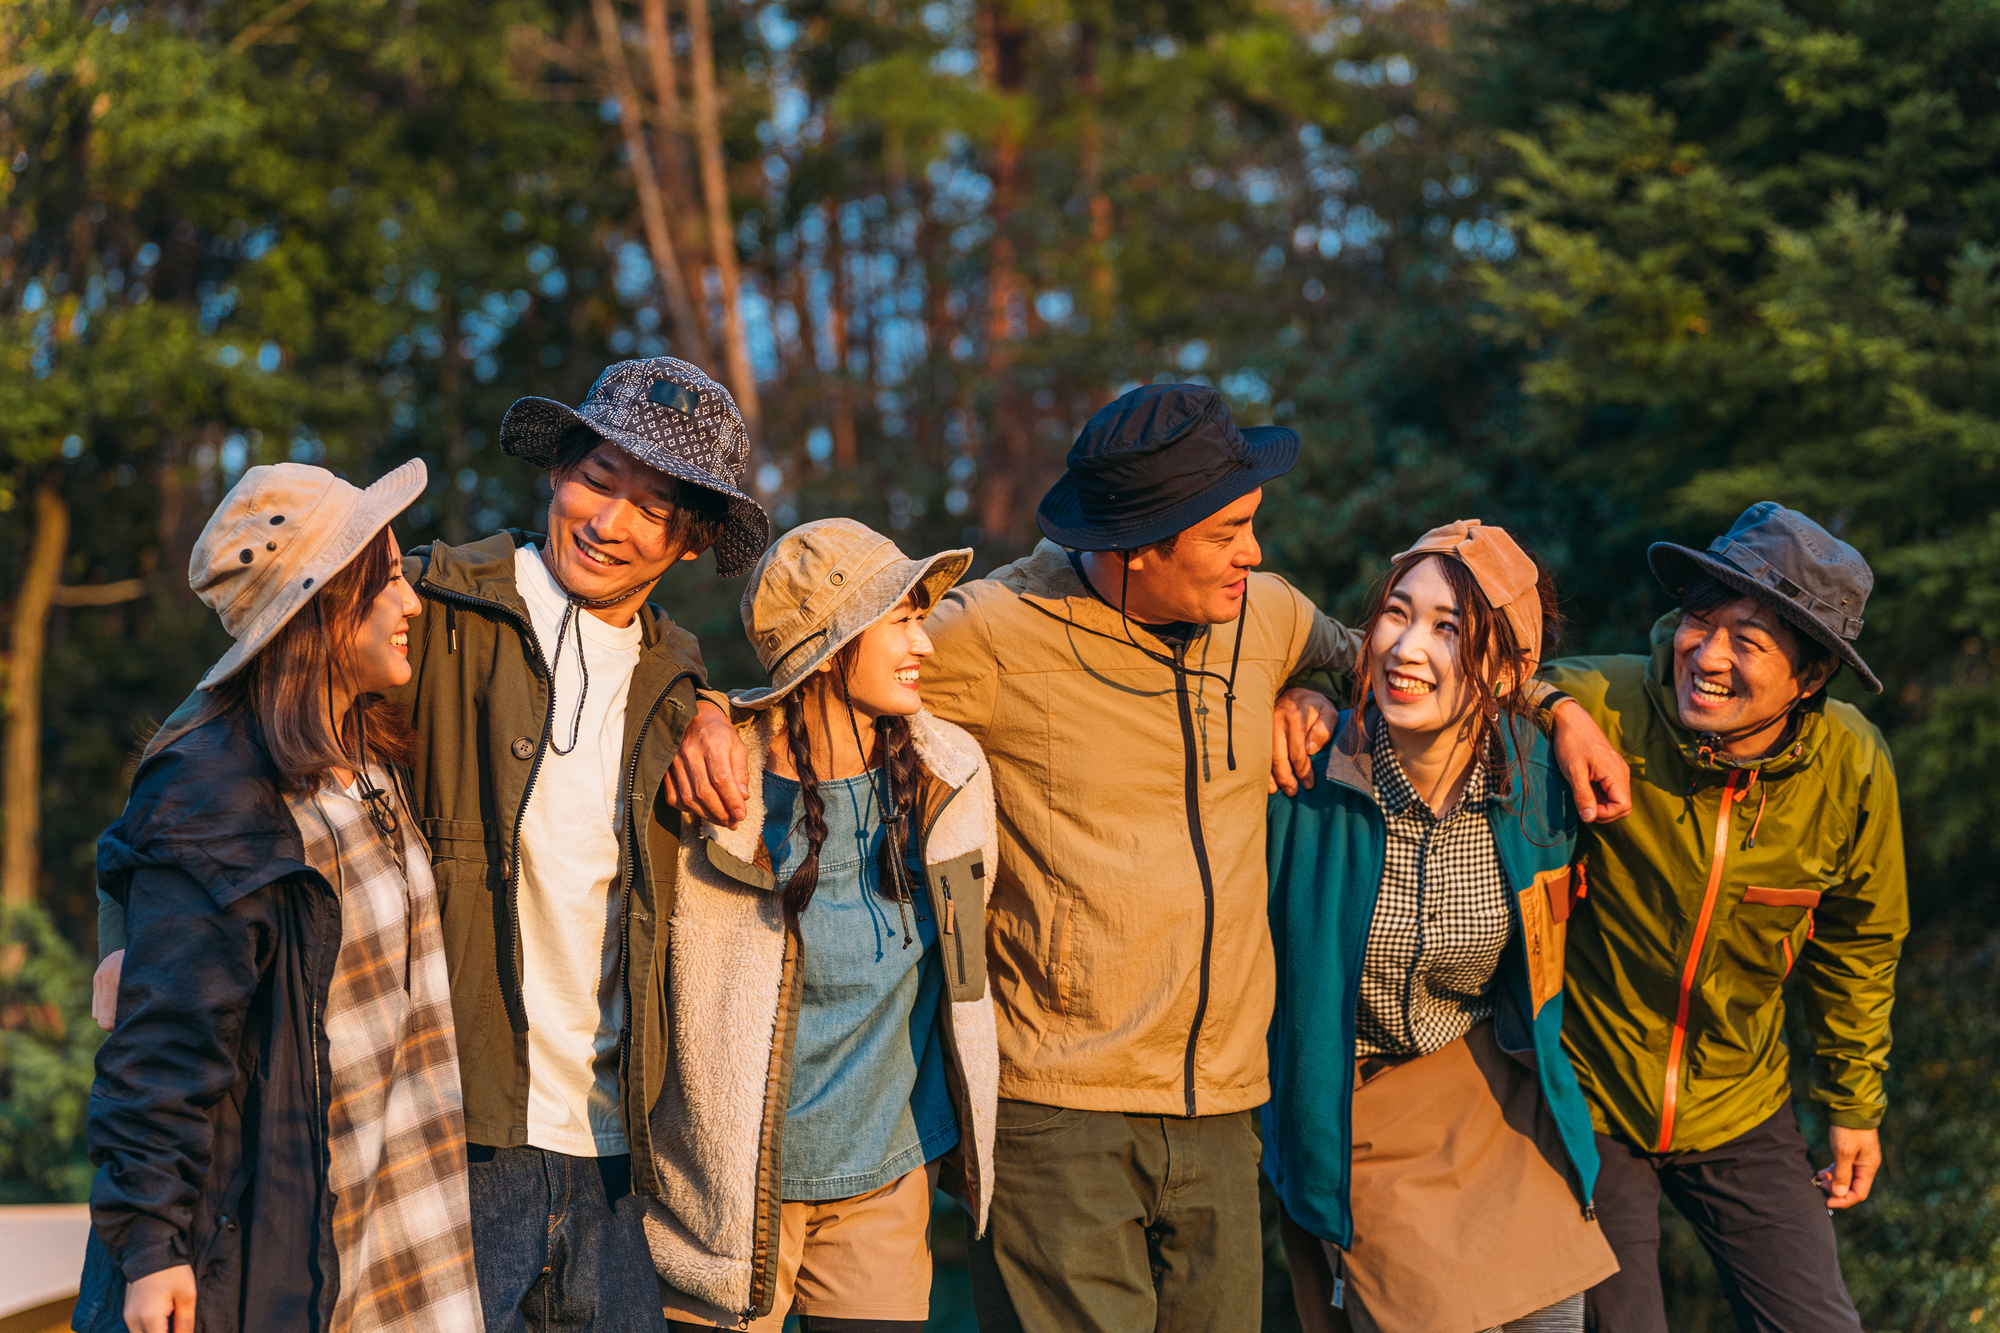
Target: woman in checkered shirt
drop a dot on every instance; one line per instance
(1425, 1132)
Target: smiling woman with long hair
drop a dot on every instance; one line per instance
(834, 1057)
(1425, 1132)
(276, 1120)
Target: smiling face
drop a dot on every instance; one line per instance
(882, 664)
(1413, 653)
(612, 529)
(1199, 579)
(1735, 666)
(378, 651)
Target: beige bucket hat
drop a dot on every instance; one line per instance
(819, 587)
(278, 536)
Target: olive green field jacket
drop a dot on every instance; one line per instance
(1724, 882)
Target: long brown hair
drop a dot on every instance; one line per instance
(1486, 645)
(286, 687)
(902, 775)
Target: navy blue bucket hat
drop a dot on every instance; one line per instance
(1816, 581)
(1157, 461)
(669, 415)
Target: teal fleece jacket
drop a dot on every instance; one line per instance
(1328, 846)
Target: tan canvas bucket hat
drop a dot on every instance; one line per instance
(277, 537)
(819, 587)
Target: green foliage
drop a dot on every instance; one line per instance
(48, 1047)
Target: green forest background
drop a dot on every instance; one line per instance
(1604, 271)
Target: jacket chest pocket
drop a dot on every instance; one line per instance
(1779, 909)
(958, 901)
(1545, 907)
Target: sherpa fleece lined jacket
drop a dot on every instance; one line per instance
(733, 999)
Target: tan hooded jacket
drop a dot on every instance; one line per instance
(1127, 945)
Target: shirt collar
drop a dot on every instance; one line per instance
(1395, 791)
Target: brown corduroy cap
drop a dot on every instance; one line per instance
(1502, 570)
(277, 537)
(818, 587)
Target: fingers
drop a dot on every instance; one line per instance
(1282, 777)
(104, 989)
(1582, 784)
(1614, 787)
(690, 792)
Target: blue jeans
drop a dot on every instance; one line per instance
(558, 1244)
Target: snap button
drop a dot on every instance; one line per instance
(523, 748)
(507, 867)
(245, 555)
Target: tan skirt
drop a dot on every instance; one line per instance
(1464, 1217)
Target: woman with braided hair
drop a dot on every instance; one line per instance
(832, 1059)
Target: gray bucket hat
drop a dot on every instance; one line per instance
(669, 415)
(274, 541)
(1816, 581)
(819, 587)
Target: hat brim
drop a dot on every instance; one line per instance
(1274, 451)
(1679, 567)
(376, 508)
(534, 427)
(869, 603)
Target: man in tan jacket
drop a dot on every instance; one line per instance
(1121, 679)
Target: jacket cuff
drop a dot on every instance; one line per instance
(1545, 698)
(150, 1246)
(1855, 1119)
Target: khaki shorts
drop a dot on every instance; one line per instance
(868, 1257)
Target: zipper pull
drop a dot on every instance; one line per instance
(950, 910)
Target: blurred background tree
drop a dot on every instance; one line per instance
(1604, 272)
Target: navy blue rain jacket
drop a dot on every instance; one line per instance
(208, 1117)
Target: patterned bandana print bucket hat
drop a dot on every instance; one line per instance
(277, 537)
(669, 415)
(820, 587)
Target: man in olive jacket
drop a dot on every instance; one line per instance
(559, 719)
(1121, 680)
(1764, 843)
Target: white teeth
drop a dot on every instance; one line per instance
(907, 676)
(1409, 684)
(1711, 689)
(400, 640)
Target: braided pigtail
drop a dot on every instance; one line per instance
(799, 888)
(901, 774)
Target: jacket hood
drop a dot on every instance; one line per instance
(484, 570)
(206, 804)
(1659, 687)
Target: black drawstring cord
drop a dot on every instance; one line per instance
(892, 819)
(1235, 655)
(582, 665)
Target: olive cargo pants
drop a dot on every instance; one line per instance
(1104, 1222)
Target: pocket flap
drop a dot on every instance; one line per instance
(1806, 898)
(1557, 883)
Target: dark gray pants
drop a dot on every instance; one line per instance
(1111, 1223)
(1764, 1223)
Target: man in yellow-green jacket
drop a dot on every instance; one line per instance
(1764, 842)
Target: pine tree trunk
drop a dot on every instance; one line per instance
(840, 388)
(652, 210)
(669, 127)
(20, 868)
(1003, 49)
(721, 232)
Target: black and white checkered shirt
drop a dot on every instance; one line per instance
(1441, 917)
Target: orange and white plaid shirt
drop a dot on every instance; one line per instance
(402, 1221)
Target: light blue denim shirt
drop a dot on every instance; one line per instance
(869, 1101)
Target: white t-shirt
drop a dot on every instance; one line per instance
(570, 920)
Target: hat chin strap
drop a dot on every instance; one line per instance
(1707, 743)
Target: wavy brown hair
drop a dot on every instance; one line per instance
(1486, 645)
(902, 774)
(285, 688)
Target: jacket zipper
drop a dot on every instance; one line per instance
(631, 872)
(1677, 1043)
(510, 968)
(1193, 790)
